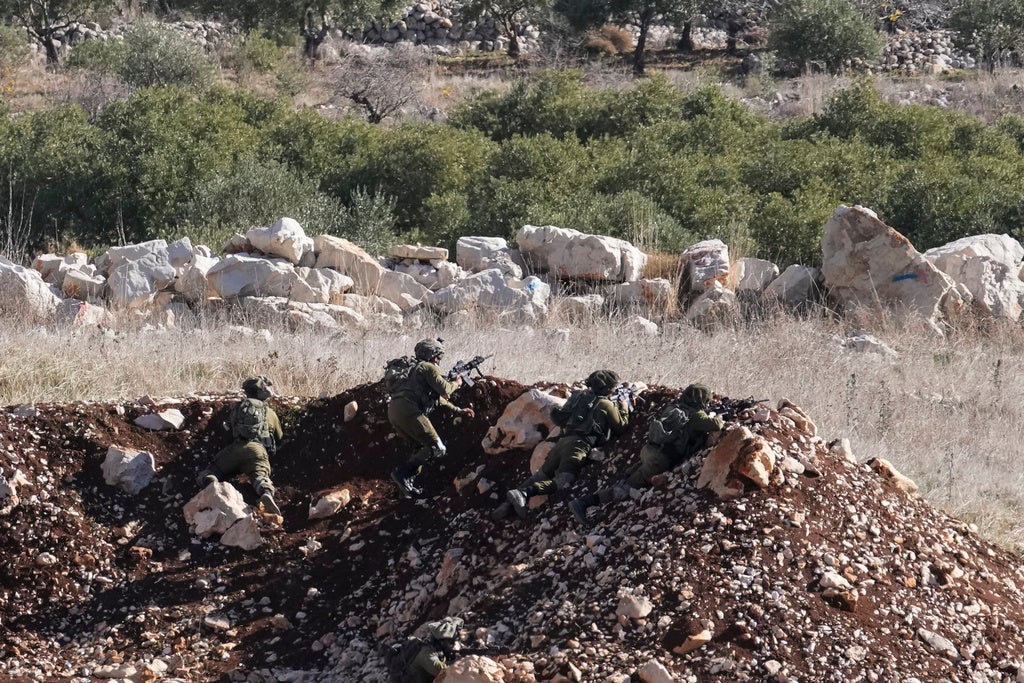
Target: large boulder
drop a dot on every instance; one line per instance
(192, 282)
(77, 284)
(129, 470)
(651, 295)
(571, 254)
(795, 288)
(75, 313)
(489, 290)
(118, 256)
(473, 669)
(349, 259)
(285, 238)
(402, 289)
(523, 424)
(216, 510)
(418, 252)
(866, 262)
(477, 254)
(754, 274)
(239, 275)
(578, 309)
(320, 286)
(180, 253)
(989, 267)
(740, 459)
(134, 284)
(706, 263)
(24, 296)
(53, 267)
(714, 307)
(433, 275)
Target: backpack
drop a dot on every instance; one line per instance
(400, 658)
(397, 371)
(577, 415)
(666, 428)
(249, 421)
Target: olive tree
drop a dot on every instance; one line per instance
(46, 19)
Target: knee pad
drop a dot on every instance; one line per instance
(564, 480)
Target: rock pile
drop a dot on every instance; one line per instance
(793, 562)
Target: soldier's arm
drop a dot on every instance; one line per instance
(702, 422)
(274, 423)
(442, 387)
(617, 420)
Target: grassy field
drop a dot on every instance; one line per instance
(947, 412)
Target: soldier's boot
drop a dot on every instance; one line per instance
(518, 499)
(403, 476)
(501, 512)
(580, 505)
(269, 504)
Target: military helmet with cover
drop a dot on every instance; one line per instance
(444, 629)
(601, 382)
(429, 349)
(696, 395)
(258, 388)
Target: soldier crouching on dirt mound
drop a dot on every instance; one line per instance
(429, 651)
(256, 430)
(588, 419)
(678, 434)
(415, 398)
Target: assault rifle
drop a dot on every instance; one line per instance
(488, 650)
(625, 395)
(464, 368)
(729, 408)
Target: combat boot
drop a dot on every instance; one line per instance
(405, 483)
(517, 498)
(268, 503)
(579, 507)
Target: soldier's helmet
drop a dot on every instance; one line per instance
(443, 629)
(258, 388)
(601, 382)
(696, 395)
(428, 349)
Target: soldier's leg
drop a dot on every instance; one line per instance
(570, 463)
(415, 427)
(257, 466)
(653, 461)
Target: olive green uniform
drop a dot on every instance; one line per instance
(684, 429)
(424, 390)
(428, 663)
(248, 457)
(566, 459)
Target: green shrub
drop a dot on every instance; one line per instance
(368, 220)
(992, 29)
(101, 56)
(788, 230)
(14, 51)
(255, 193)
(155, 55)
(824, 32)
(252, 52)
(1012, 125)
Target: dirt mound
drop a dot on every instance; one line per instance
(827, 574)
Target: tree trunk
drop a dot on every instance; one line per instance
(733, 32)
(52, 56)
(685, 43)
(639, 63)
(513, 45)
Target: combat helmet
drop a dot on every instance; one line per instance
(696, 395)
(444, 629)
(429, 349)
(258, 388)
(601, 382)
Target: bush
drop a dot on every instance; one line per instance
(102, 56)
(825, 32)
(14, 50)
(992, 29)
(159, 56)
(369, 221)
(619, 37)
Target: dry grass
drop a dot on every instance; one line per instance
(947, 412)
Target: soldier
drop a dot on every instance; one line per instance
(256, 430)
(427, 653)
(588, 419)
(677, 435)
(416, 397)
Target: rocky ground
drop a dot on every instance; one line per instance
(830, 572)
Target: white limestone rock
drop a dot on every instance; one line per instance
(754, 274)
(115, 257)
(477, 254)
(349, 259)
(473, 669)
(26, 297)
(77, 284)
(161, 421)
(129, 470)
(706, 263)
(320, 286)
(240, 275)
(655, 672)
(715, 306)
(739, 459)
(402, 290)
(570, 254)
(192, 282)
(523, 424)
(215, 509)
(285, 238)
(329, 504)
(989, 267)
(868, 344)
(135, 283)
(244, 534)
(651, 295)
(180, 253)
(866, 262)
(418, 252)
(577, 309)
(795, 288)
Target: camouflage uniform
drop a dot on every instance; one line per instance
(677, 435)
(245, 455)
(435, 655)
(563, 464)
(425, 389)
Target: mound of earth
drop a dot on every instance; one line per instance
(828, 572)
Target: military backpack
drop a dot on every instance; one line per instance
(577, 415)
(249, 422)
(397, 371)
